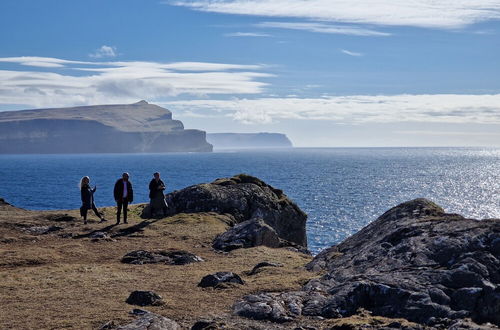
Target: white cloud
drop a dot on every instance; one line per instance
(118, 82)
(357, 109)
(443, 14)
(350, 53)
(104, 51)
(247, 34)
(323, 28)
(38, 61)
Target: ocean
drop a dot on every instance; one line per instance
(341, 189)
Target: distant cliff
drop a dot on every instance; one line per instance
(138, 127)
(249, 140)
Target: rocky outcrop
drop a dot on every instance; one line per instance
(248, 140)
(414, 262)
(247, 234)
(140, 257)
(244, 197)
(138, 127)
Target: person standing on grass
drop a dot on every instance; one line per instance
(87, 195)
(156, 188)
(124, 195)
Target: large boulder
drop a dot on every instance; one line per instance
(414, 262)
(247, 234)
(244, 197)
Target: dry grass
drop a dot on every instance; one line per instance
(51, 282)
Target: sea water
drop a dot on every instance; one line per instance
(340, 189)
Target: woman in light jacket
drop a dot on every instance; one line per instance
(87, 195)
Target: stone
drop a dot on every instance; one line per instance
(98, 235)
(414, 262)
(144, 298)
(260, 265)
(208, 325)
(176, 257)
(244, 197)
(42, 230)
(151, 321)
(247, 234)
(214, 280)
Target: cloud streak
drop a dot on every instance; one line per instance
(350, 53)
(443, 14)
(247, 34)
(324, 28)
(79, 82)
(357, 109)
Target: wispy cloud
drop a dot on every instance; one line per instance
(104, 51)
(350, 53)
(438, 108)
(247, 34)
(86, 82)
(443, 14)
(323, 28)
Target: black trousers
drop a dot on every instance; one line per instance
(84, 212)
(121, 204)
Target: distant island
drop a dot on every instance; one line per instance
(248, 140)
(120, 128)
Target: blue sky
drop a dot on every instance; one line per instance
(325, 72)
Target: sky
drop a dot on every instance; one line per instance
(328, 73)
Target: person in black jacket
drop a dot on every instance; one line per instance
(156, 188)
(87, 195)
(124, 195)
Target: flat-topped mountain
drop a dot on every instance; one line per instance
(137, 127)
(249, 140)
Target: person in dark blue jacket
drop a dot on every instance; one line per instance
(87, 194)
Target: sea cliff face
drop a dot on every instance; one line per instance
(138, 127)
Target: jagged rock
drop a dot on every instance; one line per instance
(144, 298)
(261, 265)
(414, 262)
(247, 234)
(178, 257)
(244, 197)
(151, 321)
(214, 280)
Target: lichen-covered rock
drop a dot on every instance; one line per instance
(244, 197)
(177, 257)
(214, 280)
(151, 321)
(144, 298)
(247, 234)
(414, 262)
